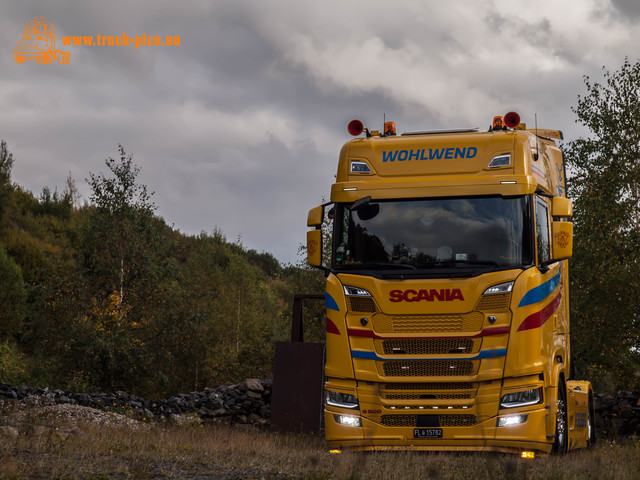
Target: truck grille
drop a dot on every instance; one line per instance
(428, 346)
(428, 391)
(494, 303)
(362, 304)
(428, 368)
(412, 420)
(470, 322)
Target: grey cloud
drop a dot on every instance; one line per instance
(627, 8)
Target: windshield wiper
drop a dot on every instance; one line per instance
(465, 262)
(379, 265)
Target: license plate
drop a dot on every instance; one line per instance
(427, 433)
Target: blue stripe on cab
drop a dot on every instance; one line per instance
(540, 292)
(330, 303)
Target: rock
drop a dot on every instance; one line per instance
(252, 384)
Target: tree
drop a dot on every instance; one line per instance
(604, 181)
(123, 210)
(123, 262)
(6, 164)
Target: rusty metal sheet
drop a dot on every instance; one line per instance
(298, 383)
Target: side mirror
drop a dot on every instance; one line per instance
(314, 248)
(561, 207)
(562, 239)
(314, 237)
(315, 217)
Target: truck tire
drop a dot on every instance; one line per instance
(591, 423)
(561, 441)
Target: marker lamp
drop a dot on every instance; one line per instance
(355, 291)
(511, 420)
(360, 167)
(522, 399)
(342, 400)
(500, 161)
(501, 288)
(348, 420)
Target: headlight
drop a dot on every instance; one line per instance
(343, 400)
(511, 420)
(355, 291)
(522, 399)
(501, 288)
(348, 420)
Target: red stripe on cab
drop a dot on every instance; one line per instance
(538, 319)
(331, 327)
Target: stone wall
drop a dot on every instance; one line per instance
(247, 402)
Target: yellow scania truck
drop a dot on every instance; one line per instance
(447, 303)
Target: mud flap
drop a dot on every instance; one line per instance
(578, 413)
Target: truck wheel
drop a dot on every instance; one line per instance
(63, 57)
(591, 423)
(560, 444)
(46, 58)
(18, 58)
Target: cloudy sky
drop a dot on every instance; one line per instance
(238, 128)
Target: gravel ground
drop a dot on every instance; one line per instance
(65, 420)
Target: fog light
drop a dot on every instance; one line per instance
(342, 400)
(347, 420)
(527, 455)
(511, 420)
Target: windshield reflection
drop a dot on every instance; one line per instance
(433, 232)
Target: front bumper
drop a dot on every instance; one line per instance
(484, 435)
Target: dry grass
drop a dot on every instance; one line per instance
(49, 446)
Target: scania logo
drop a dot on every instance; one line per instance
(441, 295)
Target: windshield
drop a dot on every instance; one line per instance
(427, 233)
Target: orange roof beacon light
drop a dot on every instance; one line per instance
(389, 128)
(511, 120)
(498, 123)
(355, 127)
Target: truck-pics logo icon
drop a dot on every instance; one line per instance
(38, 43)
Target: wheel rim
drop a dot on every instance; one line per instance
(561, 424)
